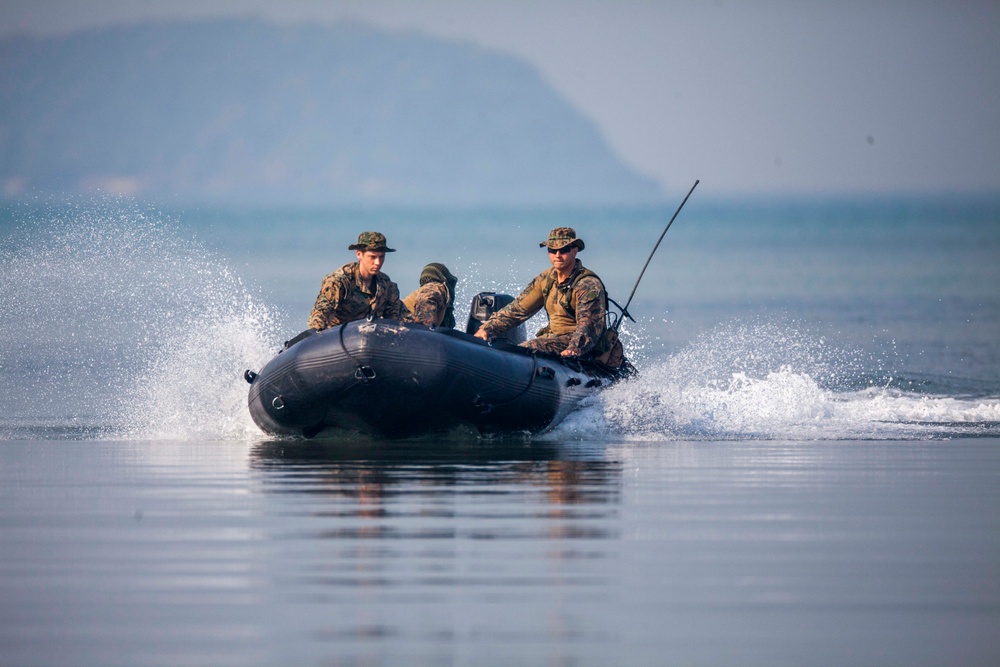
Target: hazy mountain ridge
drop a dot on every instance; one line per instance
(247, 111)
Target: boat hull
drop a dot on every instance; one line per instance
(394, 379)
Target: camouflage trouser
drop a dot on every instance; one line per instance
(553, 344)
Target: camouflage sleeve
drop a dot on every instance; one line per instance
(591, 314)
(324, 312)
(430, 304)
(527, 303)
(394, 308)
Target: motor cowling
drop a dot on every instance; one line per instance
(485, 304)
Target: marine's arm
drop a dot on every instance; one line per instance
(324, 312)
(394, 308)
(527, 303)
(591, 316)
(430, 304)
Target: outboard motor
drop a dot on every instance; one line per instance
(485, 304)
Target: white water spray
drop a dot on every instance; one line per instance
(117, 324)
(771, 381)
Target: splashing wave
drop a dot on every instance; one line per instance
(773, 381)
(116, 324)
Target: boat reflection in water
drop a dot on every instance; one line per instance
(422, 547)
(452, 480)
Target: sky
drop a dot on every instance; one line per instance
(762, 97)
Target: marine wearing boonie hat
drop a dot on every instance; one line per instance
(371, 241)
(574, 298)
(561, 237)
(359, 289)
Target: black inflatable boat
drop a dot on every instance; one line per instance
(395, 379)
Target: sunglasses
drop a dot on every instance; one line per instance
(561, 251)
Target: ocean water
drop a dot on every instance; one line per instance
(806, 471)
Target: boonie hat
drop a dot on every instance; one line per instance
(373, 241)
(560, 237)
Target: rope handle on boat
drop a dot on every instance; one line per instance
(485, 407)
(362, 373)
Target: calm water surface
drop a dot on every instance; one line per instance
(468, 552)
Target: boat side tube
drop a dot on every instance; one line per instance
(396, 379)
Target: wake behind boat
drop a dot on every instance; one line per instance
(402, 379)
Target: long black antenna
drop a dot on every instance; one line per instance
(624, 310)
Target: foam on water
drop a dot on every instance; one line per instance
(772, 381)
(116, 324)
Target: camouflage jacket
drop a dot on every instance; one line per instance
(577, 309)
(344, 297)
(428, 304)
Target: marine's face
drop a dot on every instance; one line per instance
(563, 258)
(370, 262)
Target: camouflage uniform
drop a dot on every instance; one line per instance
(427, 304)
(432, 304)
(345, 297)
(577, 307)
(576, 310)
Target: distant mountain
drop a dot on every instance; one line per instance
(226, 111)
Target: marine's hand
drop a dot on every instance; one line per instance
(481, 333)
(570, 352)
